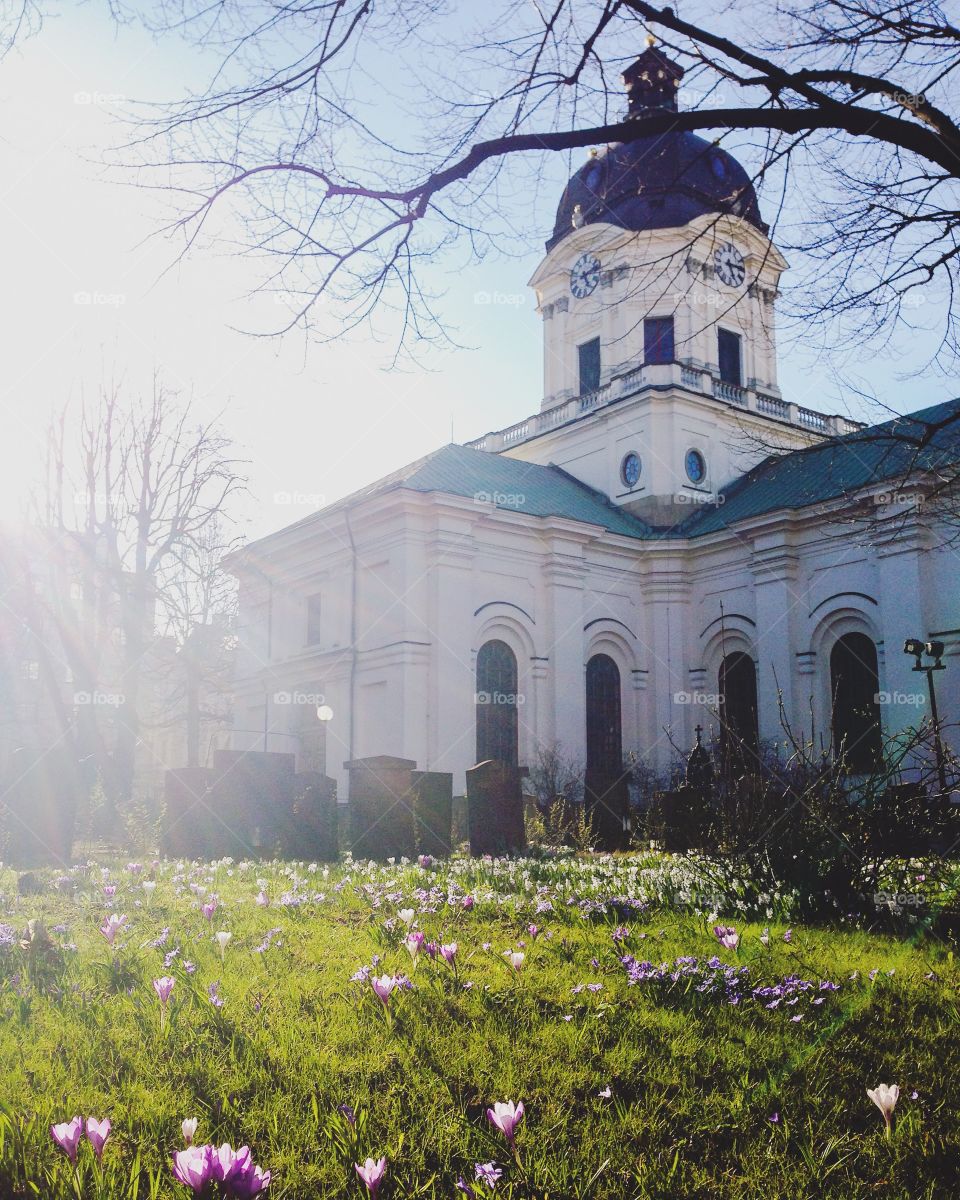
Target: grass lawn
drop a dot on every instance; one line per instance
(737, 1071)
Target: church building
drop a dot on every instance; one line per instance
(667, 542)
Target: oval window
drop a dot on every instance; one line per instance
(696, 466)
(630, 469)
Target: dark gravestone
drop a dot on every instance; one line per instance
(433, 812)
(189, 824)
(311, 830)
(679, 820)
(38, 806)
(495, 809)
(607, 799)
(381, 807)
(252, 797)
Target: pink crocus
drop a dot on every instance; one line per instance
(534, 931)
(506, 1116)
(383, 987)
(67, 1135)
(467, 902)
(413, 942)
(727, 936)
(372, 1173)
(112, 926)
(194, 1167)
(163, 987)
(449, 952)
(209, 908)
(97, 1134)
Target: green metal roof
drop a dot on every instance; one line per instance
(927, 440)
(512, 485)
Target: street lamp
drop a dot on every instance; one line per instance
(935, 651)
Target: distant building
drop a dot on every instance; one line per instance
(667, 539)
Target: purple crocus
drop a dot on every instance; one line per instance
(382, 988)
(194, 1167)
(449, 952)
(97, 1134)
(467, 902)
(372, 1173)
(112, 925)
(488, 1173)
(163, 987)
(209, 908)
(413, 942)
(506, 1117)
(727, 936)
(67, 1135)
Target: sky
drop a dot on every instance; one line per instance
(93, 291)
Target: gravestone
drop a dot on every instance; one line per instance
(252, 791)
(495, 809)
(433, 812)
(607, 800)
(189, 824)
(381, 807)
(311, 831)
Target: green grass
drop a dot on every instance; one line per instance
(693, 1079)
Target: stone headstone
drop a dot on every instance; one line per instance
(433, 812)
(495, 809)
(381, 807)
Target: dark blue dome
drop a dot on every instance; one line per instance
(658, 182)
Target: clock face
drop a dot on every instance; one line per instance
(584, 275)
(728, 263)
(630, 469)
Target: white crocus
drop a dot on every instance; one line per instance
(222, 938)
(885, 1097)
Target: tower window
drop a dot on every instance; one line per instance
(658, 340)
(589, 354)
(728, 353)
(314, 627)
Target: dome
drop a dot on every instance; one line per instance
(657, 182)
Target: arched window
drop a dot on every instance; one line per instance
(496, 703)
(604, 726)
(739, 732)
(854, 684)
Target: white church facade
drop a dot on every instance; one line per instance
(668, 539)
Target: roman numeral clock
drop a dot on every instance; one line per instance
(584, 275)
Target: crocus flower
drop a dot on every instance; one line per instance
(163, 987)
(488, 1173)
(533, 930)
(383, 987)
(885, 1097)
(506, 1117)
(209, 909)
(788, 936)
(222, 938)
(67, 1135)
(112, 926)
(765, 937)
(727, 936)
(194, 1167)
(468, 902)
(514, 958)
(413, 942)
(263, 899)
(189, 1127)
(449, 952)
(425, 861)
(372, 1173)
(97, 1134)
(406, 915)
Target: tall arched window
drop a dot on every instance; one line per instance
(604, 726)
(854, 684)
(496, 703)
(739, 732)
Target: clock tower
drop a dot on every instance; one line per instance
(659, 283)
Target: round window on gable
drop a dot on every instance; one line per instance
(696, 466)
(630, 470)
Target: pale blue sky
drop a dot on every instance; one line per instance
(86, 295)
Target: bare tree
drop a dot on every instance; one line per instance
(133, 493)
(355, 140)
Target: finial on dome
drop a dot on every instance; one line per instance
(652, 81)
(651, 40)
